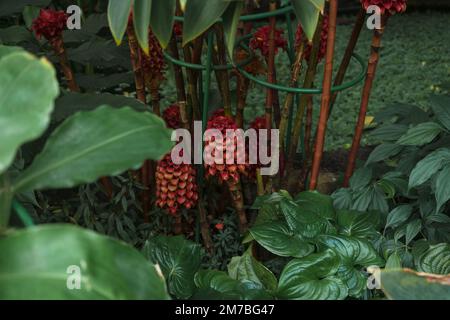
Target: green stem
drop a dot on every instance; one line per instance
(6, 197)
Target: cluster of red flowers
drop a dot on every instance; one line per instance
(260, 40)
(172, 116)
(49, 24)
(299, 37)
(154, 63)
(386, 6)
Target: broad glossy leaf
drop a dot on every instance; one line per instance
(358, 224)
(246, 267)
(312, 278)
(435, 260)
(355, 254)
(394, 261)
(179, 260)
(428, 166)
(307, 12)
(118, 14)
(40, 263)
(280, 240)
(316, 202)
(28, 87)
(141, 20)
(200, 15)
(398, 215)
(408, 285)
(389, 132)
(421, 134)
(342, 198)
(230, 23)
(361, 178)
(412, 230)
(162, 20)
(442, 187)
(9, 7)
(441, 108)
(93, 144)
(384, 151)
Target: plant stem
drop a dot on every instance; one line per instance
(6, 197)
(136, 64)
(178, 72)
(58, 47)
(348, 52)
(192, 83)
(308, 128)
(326, 95)
(204, 227)
(371, 70)
(270, 98)
(238, 201)
(242, 85)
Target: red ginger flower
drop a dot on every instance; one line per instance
(50, 24)
(225, 172)
(153, 63)
(178, 29)
(176, 185)
(172, 116)
(386, 6)
(299, 37)
(260, 40)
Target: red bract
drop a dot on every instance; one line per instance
(300, 36)
(172, 116)
(176, 185)
(260, 40)
(219, 226)
(50, 23)
(386, 6)
(178, 29)
(153, 63)
(224, 172)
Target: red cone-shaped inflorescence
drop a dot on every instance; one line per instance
(178, 29)
(260, 40)
(176, 185)
(386, 6)
(153, 63)
(257, 124)
(172, 116)
(50, 24)
(224, 171)
(300, 36)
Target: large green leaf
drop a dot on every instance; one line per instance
(441, 108)
(280, 240)
(93, 144)
(421, 134)
(355, 254)
(442, 187)
(384, 151)
(408, 285)
(358, 224)
(307, 12)
(28, 87)
(428, 166)
(398, 215)
(316, 202)
(141, 20)
(179, 260)
(312, 278)
(42, 262)
(200, 15)
(9, 7)
(163, 13)
(389, 132)
(246, 267)
(118, 14)
(435, 260)
(230, 24)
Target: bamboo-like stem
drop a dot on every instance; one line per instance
(370, 76)
(308, 128)
(136, 64)
(348, 52)
(178, 72)
(326, 96)
(242, 85)
(270, 98)
(177, 224)
(184, 115)
(204, 227)
(192, 83)
(238, 201)
(259, 183)
(60, 51)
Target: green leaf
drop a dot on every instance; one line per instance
(246, 267)
(93, 144)
(384, 151)
(318, 203)
(118, 14)
(179, 260)
(9, 7)
(428, 166)
(163, 13)
(342, 198)
(394, 261)
(412, 230)
(442, 187)
(280, 240)
(312, 278)
(441, 108)
(421, 134)
(200, 15)
(141, 20)
(361, 178)
(398, 215)
(435, 260)
(28, 87)
(408, 285)
(35, 264)
(358, 224)
(389, 132)
(307, 12)
(355, 254)
(30, 13)
(230, 23)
